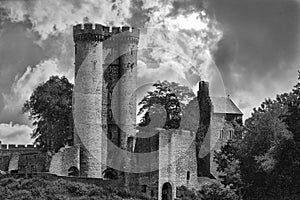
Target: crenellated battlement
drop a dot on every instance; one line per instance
(17, 147)
(99, 32)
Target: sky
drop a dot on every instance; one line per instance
(248, 49)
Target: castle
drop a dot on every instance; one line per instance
(106, 142)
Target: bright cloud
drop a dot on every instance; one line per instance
(15, 134)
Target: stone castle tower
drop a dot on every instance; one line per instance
(104, 99)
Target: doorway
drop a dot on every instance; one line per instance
(166, 191)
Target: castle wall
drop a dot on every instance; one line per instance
(148, 146)
(120, 80)
(167, 168)
(148, 183)
(105, 71)
(186, 161)
(217, 124)
(21, 158)
(177, 160)
(63, 160)
(32, 162)
(219, 136)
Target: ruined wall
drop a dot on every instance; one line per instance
(63, 160)
(21, 158)
(203, 139)
(148, 183)
(32, 162)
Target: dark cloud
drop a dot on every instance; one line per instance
(20, 48)
(15, 116)
(61, 46)
(258, 37)
(1, 102)
(259, 48)
(17, 51)
(186, 6)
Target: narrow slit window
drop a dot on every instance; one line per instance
(188, 175)
(144, 188)
(221, 136)
(231, 134)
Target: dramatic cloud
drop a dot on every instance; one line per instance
(36, 42)
(179, 44)
(57, 16)
(258, 53)
(22, 88)
(17, 51)
(259, 49)
(250, 44)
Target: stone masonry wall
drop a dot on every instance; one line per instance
(105, 71)
(217, 140)
(177, 160)
(21, 158)
(186, 160)
(167, 168)
(65, 159)
(87, 102)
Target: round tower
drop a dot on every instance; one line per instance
(105, 79)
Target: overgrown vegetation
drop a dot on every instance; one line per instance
(166, 101)
(211, 191)
(41, 189)
(264, 162)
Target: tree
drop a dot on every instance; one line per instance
(50, 108)
(167, 98)
(264, 163)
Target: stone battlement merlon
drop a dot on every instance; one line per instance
(99, 32)
(17, 147)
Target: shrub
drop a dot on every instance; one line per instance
(41, 189)
(183, 193)
(21, 195)
(217, 191)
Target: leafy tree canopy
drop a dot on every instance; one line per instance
(50, 108)
(167, 99)
(264, 163)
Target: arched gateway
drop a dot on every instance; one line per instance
(166, 191)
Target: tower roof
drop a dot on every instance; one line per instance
(224, 105)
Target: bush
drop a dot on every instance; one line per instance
(183, 193)
(217, 191)
(41, 189)
(21, 195)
